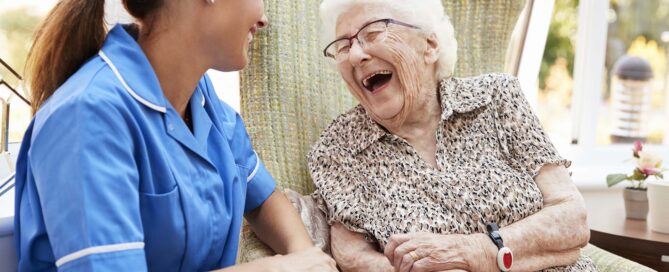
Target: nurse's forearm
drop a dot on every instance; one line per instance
(277, 223)
(262, 264)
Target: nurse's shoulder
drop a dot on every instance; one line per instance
(91, 97)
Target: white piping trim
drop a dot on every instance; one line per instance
(202, 98)
(127, 88)
(255, 170)
(97, 250)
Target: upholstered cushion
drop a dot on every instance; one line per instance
(313, 217)
(609, 262)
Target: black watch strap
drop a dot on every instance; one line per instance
(504, 254)
(493, 233)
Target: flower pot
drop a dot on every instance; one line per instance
(636, 203)
(658, 201)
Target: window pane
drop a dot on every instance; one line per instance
(18, 21)
(634, 90)
(556, 74)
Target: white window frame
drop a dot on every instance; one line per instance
(534, 43)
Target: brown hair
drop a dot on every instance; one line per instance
(71, 33)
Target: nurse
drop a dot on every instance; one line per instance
(131, 162)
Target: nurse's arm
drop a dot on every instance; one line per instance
(277, 223)
(312, 259)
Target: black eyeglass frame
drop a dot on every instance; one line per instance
(355, 36)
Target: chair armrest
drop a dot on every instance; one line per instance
(609, 262)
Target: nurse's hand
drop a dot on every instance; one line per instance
(309, 260)
(312, 259)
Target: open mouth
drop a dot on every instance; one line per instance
(377, 80)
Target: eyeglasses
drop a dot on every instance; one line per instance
(372, 32)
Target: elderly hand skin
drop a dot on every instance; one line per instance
(312, 259)
(438, 252)
(354, 254)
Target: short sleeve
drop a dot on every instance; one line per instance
(336, 193)
(523, 140)
(85, 174)
(259, 183)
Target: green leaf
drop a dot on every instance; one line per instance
(638, 175)
(614, 179)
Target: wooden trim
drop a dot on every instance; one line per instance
(648, 253)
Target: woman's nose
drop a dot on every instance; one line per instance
(263, 22)
(357, 54)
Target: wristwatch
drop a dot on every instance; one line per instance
(504, 254)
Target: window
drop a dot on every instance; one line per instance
(593, 109)
(18, 20)
(632, 104)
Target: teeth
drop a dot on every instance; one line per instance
(365, 82)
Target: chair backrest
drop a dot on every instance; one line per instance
(289, 92)
(8, 261)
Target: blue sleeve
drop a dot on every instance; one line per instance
(260, 184)
(86, 177)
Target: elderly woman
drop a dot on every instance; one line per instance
(420, 175)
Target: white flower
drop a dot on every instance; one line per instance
(649, 162)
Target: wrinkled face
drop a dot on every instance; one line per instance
(380, 73)
(230, 26)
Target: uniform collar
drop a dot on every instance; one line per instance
(456, 95)
(132, 68)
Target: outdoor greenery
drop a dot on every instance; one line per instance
(635, 28)
(16, 32)
(561, 36)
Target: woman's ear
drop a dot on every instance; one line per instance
(432, 49)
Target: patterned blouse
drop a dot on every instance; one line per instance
(490, 146)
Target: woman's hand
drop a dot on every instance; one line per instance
(312, 259)
(353, 253)
(437, 252)
(309, 260)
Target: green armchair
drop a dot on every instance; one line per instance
(289, 92)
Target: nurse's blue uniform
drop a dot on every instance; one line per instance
(109, 177)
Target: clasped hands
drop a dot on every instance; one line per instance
(419, 252)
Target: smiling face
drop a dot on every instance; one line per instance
(230, 26)
(383, 75)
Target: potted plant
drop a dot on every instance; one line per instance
(636, 199)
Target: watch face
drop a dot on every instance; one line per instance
(504, 259)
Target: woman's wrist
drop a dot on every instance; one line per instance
(299, 245)
(484, 253)
(369, 262)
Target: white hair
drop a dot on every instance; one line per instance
(427, 14)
